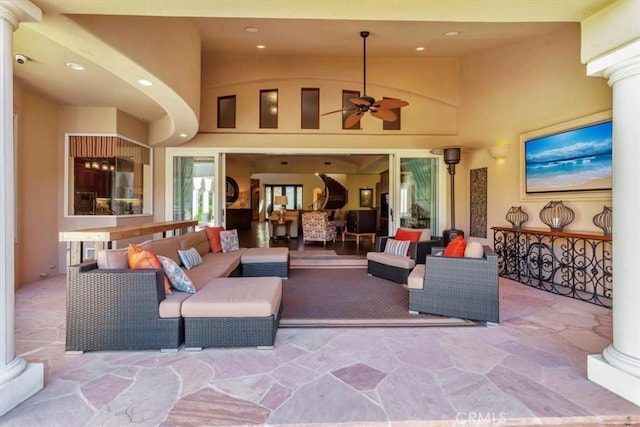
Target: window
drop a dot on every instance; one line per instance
(348, 108)
(193, 189)
(227, 112)
(293, 193)
(269, 109)
(392, 125)
(110, 175)
(310, 108)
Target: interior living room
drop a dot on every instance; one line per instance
(510, 126)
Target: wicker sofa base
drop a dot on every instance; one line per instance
(264, 269)
(395, 274)
(201, 332)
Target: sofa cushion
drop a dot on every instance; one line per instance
(203, 274)
(397, 247)
(176, 275)
(113, 259)
(171, 306)
(229, 240)
(196, 239)
(474, 250)
(456, 247)
(167, 247)
(138, 257)
(221, 258)
(403, 262)
(416, 278)
(190, 258)
(236, 297)
(213, 234)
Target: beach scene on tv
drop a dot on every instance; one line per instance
(575, 160)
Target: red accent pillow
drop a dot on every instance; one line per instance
(410, 235)
(456, 247)
(213, 234)
(141, 258)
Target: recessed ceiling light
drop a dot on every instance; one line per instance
(261, 46)
(145, 82)
(420, 48)
(184, 135)
(74, 66)
(452, 33)
(251, 29)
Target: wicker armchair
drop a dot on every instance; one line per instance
(118, 310)
(459, 287)
(397, 268)
(317, 227)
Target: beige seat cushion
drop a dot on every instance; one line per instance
(224, 258)
(171, 306)
(204, 273)
(260, 255)
(235, 297)
(416, 278)
(391, 260)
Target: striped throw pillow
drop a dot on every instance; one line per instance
(190, 258)
(397, 247)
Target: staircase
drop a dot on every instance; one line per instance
(334, 195)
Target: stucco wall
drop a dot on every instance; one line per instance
(516, 89)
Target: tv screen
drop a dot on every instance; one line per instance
(574, 160)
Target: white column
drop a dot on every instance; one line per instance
(18, 380)
(618, 368)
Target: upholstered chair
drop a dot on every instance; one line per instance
(317, 227)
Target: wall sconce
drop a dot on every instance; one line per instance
(499, 152)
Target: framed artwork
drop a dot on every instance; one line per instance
(366, 197)
(570, 157)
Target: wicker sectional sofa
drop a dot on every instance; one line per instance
(127, 309)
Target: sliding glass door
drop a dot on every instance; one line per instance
(194, 189)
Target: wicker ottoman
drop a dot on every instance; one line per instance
(260, 262)
(233, 312)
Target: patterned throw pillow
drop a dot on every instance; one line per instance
(397, 247)
(229, 241)
(176, 275)
(213, 234)
(141, 258)
(190, 258)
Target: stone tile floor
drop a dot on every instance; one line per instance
(528, 370)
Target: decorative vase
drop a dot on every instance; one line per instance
(556, 215)
(516, 216)
(604, 220)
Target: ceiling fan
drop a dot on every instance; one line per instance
(380, 109)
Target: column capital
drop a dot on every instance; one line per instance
(618, 64)
(17, 11)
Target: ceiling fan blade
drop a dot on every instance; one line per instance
(389, 103)
(342, 110)
(361, 101)
(352, 119)
(386, 115)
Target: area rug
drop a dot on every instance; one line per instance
(350, 298)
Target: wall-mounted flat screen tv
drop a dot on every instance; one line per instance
(573, 160)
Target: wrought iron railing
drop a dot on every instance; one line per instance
(570, 264)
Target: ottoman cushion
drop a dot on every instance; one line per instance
(235, 297)
(264, 255)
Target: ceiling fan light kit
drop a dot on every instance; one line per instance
(380, 109)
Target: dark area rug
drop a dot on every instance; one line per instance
(350, 298)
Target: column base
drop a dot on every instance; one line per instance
(613, 379)
(22, 387)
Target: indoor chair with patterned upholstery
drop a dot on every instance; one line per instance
(317, 227)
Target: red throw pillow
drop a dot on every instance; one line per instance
(410, 235)
(213, 234)
(456, 247)
(141, 258)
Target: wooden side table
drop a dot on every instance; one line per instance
(358, 236)
(287, 228)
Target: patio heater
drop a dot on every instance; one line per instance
(451, 159)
